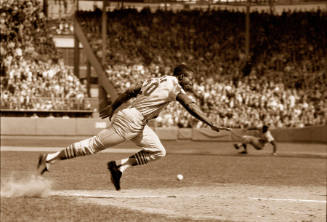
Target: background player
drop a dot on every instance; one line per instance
(258, 142)
(130, 123)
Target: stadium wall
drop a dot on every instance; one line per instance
(24, 126)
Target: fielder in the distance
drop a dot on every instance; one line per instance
(258, 142)
(130, 123)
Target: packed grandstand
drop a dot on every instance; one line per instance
(286, 86)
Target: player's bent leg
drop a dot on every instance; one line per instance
(257, 144)
(146, 155)
(142, 157)
(129, 124)
(252, 140)
(152, 147)
(152, 150)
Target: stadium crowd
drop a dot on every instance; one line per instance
(287, 84)
(32, 75)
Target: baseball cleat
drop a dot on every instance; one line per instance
(115, 174)
(236, 146)
(42, 164)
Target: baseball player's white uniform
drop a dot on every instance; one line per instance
(131, 123)
(258, 142)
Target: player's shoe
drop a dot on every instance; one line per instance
(115, 174)
(42, 164)
(244, 152)
(236, 146)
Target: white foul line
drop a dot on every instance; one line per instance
(86, 194)
(291, 200)
(108, 194)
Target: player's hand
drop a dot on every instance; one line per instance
(106, 112)
(215, 128)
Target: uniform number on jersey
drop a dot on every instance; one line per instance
(153, 85)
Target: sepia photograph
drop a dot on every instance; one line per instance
(163, 110)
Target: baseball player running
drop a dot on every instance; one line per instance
(130, 123)
(258, 142)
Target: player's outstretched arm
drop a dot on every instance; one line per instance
(122, 98)
(195, 111)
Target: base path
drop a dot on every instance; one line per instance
(233, 202)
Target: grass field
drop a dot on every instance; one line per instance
(218, 185)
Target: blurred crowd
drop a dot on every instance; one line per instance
(286, 86)
(33, 77)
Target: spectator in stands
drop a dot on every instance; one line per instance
(32, 76)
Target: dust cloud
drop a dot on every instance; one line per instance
(29, 186)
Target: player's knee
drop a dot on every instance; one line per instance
(162, 152)
(96, 144)
(155, 152)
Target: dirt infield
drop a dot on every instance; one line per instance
(221, 202)
(222, 186)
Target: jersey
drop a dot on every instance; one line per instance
(156, 94)
(266, 137)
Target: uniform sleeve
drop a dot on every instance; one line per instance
(176, 88)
